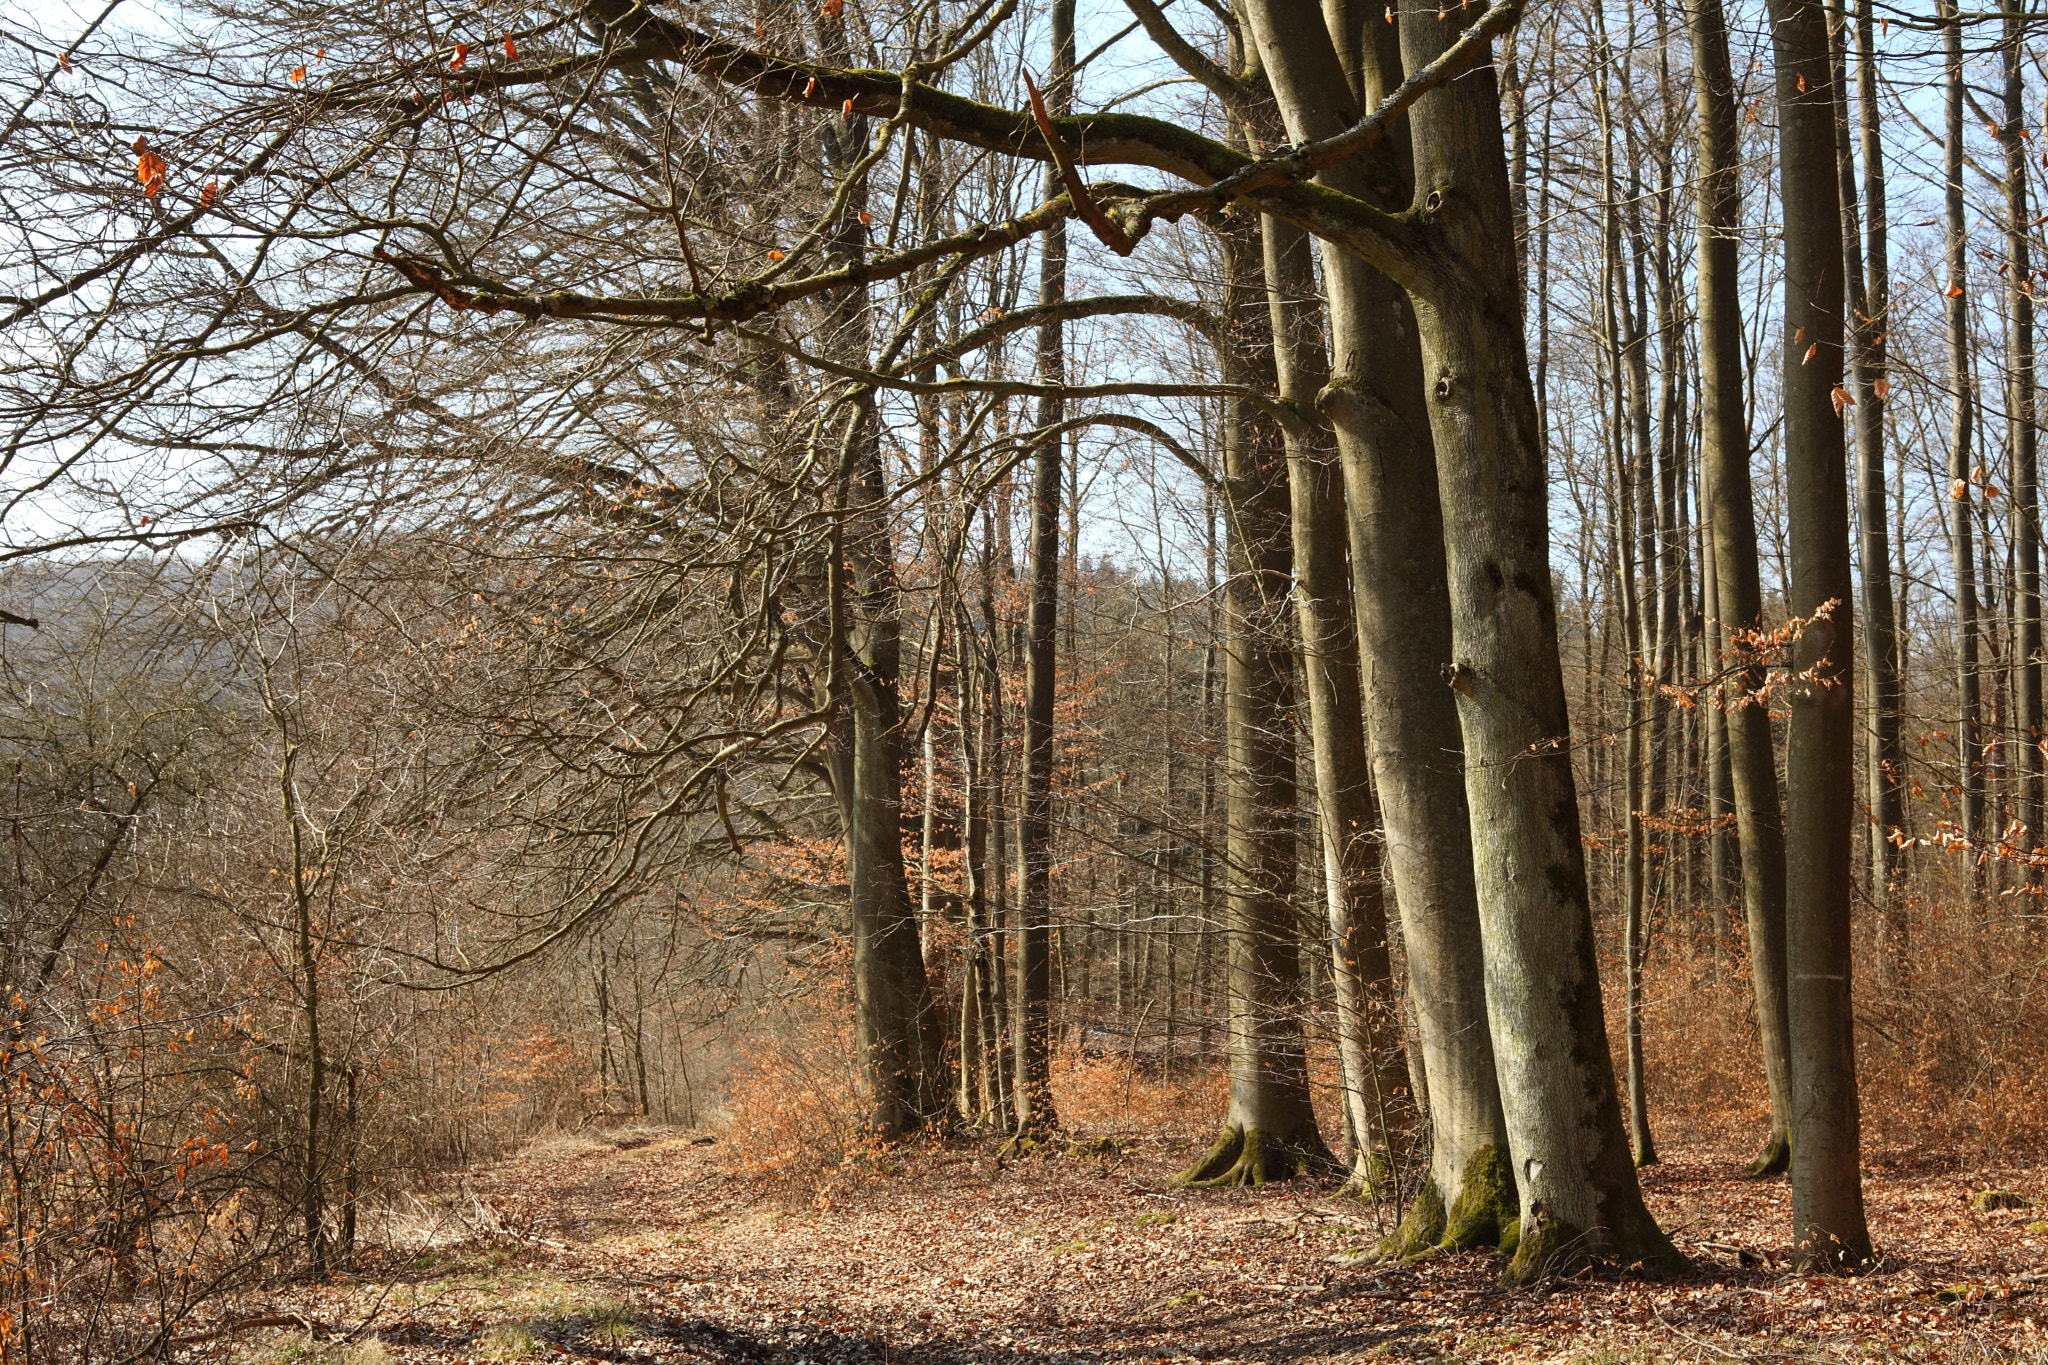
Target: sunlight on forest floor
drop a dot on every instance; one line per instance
(645, 1250)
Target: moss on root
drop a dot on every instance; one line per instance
(1373, 1176)
(1247, 1157)
(1485, 1204)
(1775, 1159)
(1420, 1231)
(1483, 1215)
(1553, 1246)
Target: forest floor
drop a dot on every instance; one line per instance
(641, 1249)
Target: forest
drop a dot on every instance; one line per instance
(1364, 680)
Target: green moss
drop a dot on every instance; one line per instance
(1510, 1237)
(1246, 1156)
(1220, 1157)
(1421, 1230)
(2039, 1227)
(1990, 1201)
(1485, 1203)
(1774, 1159)
(1554, 1247)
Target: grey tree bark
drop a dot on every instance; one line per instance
(1377, 404)
(1374, 1067)
(1033, 1094)
(2023, 439)
(1270, 1130)
(1724, 459)
(1827, 1190)
(1962, 398)
(1573, 1167)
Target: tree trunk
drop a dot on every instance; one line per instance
(1724, 459)
(1362, 974)
(1034, 956)
(1827, 1188)
(1577, 1181)
(1869, 320)
(1377, 404)
(1970, 730)
(897, 1027)
(2024, 438)
(1270, 1132)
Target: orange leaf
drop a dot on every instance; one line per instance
(1957, 490)
(1882, 388)
(846, 111)
(1798, 335)
(832, 9)
(1842, 399)
(298, 74)
(206, 195)
(461, 56)
(774, 255)
(866, 217)
(1810, 352)
(1390, 14)
(1802, 82)
(149, 168)
(809, 86)
(319, 56)
(1955, 291)
(511, 49)
(64, 60)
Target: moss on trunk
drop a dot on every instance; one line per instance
(1774, 1159)
(1484, 1207)
(1420, 1230)
(1547, 1246)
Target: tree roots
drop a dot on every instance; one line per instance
(1775, 1159)
(1555, 1247)
(1243, 1156)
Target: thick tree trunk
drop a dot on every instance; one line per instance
(1374, 1067)
(1270, 1132)
(1576, 1177)
(1724, 458)
(1377, 404)
(897, 1027)
(1827, 1188)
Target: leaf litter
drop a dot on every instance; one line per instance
(645, 1249)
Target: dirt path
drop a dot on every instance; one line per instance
(645, 1251)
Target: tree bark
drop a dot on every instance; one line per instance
(1869, 279)
(1270, 1131)
(1377, 404)
(897, 1025)
(1962, 532)
(2024, 440)
(1577, 1180)
(1374, 1067)
(1827, 1190)
(1041, 681)
(1724, 458)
